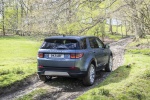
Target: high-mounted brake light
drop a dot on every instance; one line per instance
(76, 55)
(40, 55)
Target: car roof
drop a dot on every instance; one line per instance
(68, 37)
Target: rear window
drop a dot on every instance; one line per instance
(60, 44)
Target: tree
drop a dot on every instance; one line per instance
(74, 16)
(3, 16)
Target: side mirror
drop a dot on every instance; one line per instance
(107, 46)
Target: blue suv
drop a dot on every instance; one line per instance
(73, 56)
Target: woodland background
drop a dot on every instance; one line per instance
(75, 17)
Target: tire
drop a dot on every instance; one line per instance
(89, 79)
(109, 65)
(45, 78)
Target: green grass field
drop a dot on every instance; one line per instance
(17, 59)
(128, 82)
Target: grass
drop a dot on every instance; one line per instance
(142, 46)
(114, 29)
(144, 41)
(18, 59)
(115, 37)
(128, 82)
(33, 94)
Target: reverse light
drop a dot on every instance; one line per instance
(76, 55)
(40, 55)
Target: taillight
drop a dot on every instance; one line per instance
(76, 55)
(40, 55)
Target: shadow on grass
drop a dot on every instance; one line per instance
(117, 76)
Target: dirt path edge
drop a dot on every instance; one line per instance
(19, 85)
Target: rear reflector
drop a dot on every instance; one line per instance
(40, 66)
(76, 55)
(40, 55)
(74, 68)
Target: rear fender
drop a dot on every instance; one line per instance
(88, 62)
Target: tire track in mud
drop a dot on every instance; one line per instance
(69, 88)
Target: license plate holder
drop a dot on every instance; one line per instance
(53, 73)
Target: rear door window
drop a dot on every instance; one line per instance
(83, 44)
(93, 43)
(100, 43)
(60, 44)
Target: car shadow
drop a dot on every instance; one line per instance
(72, 84)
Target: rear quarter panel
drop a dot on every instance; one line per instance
(83, 63)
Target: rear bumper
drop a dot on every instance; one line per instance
(74, 74)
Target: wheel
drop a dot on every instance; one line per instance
(45, 78)
(89, 79)
(109, 65)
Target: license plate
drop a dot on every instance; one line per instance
(56, 55)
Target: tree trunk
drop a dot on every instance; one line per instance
(17, 18)
(110, 26)
(132, 26)
(102, 29)
(137, 24)
(126, 28)
(117, 26)
(3, 17)
(121, 30)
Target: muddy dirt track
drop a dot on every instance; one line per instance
(68, 88)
